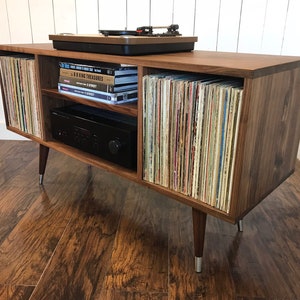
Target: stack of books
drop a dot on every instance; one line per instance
(190, 134)
(103, 82)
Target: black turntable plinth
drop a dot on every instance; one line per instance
(123, 44)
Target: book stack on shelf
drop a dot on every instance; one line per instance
(190, 134)
(20, 91)
(102, 82)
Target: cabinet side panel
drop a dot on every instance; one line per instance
(271, 139)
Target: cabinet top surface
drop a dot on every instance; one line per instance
(223, 63)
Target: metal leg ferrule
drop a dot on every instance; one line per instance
(41, 178)
(198, 264)
(240, 225)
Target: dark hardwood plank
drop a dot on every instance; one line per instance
(3, 292)
(26, 250)
(15, 156)
(14, 203)
(88, 234)
(272, 239)
(131, 295)
(83, 255)
(139, 260)
(11, 292)
(228, 263)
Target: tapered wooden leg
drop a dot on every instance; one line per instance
(44, 151)
(199, 224)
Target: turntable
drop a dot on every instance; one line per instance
(144, 40)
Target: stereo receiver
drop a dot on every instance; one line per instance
(106, 134)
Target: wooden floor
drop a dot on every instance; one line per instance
(87, 234)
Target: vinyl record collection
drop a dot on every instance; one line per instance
(21, 93)
(190, 130)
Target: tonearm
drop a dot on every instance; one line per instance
(172, 30)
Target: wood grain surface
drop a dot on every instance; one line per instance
(88, 234)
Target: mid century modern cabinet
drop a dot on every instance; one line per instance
(269, 128)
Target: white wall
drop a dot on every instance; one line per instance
(254, 26)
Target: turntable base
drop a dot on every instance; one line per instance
(122, 45)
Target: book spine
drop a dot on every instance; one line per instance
(86, 68)
(94, 85)
(114, 97)
(118, 70)
(101, 78)
(105, 79)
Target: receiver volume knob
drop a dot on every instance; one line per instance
(114, 146)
